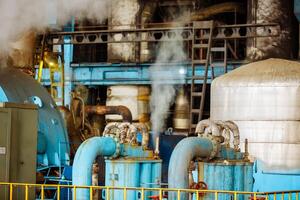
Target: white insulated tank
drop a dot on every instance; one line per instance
(263, 98)
(136, 98)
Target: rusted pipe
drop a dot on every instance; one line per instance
(207, 126)
(236, 134)
(216, 9)
(110, 110)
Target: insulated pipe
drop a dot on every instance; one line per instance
(110, 110)
(185, 151)
(84, 158)
(207, 123)
(236, 134)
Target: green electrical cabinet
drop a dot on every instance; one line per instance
(18, 147)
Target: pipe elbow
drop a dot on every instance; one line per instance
(84, 158)
(112, 110)
(186, 151)
(207, 126)
(125, 113)
(236, 133)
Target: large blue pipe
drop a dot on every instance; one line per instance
(84, 158)
(185, 151)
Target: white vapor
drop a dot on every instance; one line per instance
(162, 73)
(19, 16)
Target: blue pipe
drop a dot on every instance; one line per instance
(84, 158)
(185, 151)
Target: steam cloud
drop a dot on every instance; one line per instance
(20, 16)
(162, 74)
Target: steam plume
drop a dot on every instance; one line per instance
(163, 72)
(20, 16)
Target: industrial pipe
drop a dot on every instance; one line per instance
(110, 110)
(207, 126)
(84, 158)
(185, 151)
(216, 9)
(236, 134)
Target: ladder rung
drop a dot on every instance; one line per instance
(197, 94)
(217, 49)
(197, 111)
(198, 77)
(203, 61)
(58, 99)
(56, 84)
(200, 45)
(217, 65)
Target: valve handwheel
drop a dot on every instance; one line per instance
(199, 186)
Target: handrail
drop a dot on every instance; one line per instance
(160, 191)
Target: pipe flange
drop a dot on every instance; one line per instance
(215, 142)
(118, 147)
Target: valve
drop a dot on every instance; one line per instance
(199, 186)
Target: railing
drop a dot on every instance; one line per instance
(29, 190)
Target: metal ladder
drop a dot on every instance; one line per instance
(218, 49)
(201, 49)
(56, 73)
(57, 81)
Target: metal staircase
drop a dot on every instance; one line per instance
(201, 51)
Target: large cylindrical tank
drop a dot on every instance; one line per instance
(263, 98)
(123, 16)
(136, 98)
(53, 144)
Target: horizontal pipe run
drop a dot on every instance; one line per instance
(110, 110)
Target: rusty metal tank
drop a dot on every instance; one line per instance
(263, 99)
(136, 98)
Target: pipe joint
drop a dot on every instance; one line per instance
(118, 147)
(215, 141)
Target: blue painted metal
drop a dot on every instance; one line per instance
(229, 175)
(132, 172)
(185, 151)
(17, 87)
(134, 167)
(121, 73)
(84, 158)
(68, 59)
(266, 181)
